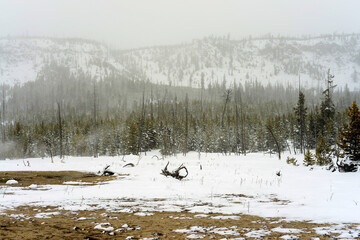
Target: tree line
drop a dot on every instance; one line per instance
(62, 113)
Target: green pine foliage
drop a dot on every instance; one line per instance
(309, 158)
(349, 135)
(322, 152)
(293, 161)
(300, 113)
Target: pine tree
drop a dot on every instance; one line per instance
(309, 158)
(327, 112)
(349, 135)
(321, 152)
(300, 113)
(132, 138)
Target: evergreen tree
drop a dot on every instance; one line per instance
(322, 152)
(311, 138)
(132, 138)
(349, 135)
(327, 112)
(309, 158)
(300, 113)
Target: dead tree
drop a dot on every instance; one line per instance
(227, 97)
(107, 171)
(175, 174)
(276, 141)
(142, 123)
(95, 124)
(60, 131)
(185, 150)
(3, 113)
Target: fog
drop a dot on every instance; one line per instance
(137, 23)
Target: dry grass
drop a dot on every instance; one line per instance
(25, 222)
(26, 178)
(22, 223)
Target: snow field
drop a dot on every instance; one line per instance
(225, 185)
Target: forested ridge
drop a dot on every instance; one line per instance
(62, 113)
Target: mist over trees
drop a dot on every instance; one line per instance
(62, 113)
(213, 95)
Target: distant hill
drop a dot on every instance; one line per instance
(202, 63)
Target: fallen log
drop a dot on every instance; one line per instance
(176, 173)
(129, 165)
(107, 171)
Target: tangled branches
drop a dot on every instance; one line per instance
(175, 174)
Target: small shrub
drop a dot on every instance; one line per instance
(292, 161)
(322, 153)
(309, 158)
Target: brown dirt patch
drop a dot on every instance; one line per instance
(22, 223)
(26, 178)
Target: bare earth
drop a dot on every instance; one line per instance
(31, 222)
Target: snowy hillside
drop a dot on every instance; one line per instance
(22, 59)
(201, 63)
(268, 61)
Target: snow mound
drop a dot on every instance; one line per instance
(11, 182)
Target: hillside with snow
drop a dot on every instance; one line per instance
(23, 59)
(202, 63)
(266, 61)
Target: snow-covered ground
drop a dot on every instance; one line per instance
(216, 183)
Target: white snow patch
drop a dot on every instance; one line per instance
(226, 217)
(11, 182)
(289, 237)
(77, 183)
(105, 227)
(225, 231)
(257, 233)
(201, 215)
(46, 214)
(143, 214)
(286, 230)
(195, 236)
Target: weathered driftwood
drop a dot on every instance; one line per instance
(129, 165)
(107, 171)
(176, 173)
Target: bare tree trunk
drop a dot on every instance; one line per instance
(227, 99)
(243, 146)
(151, 106)
(95, 124)
(186, 125)
(174, 113)
(276, 142)
(60, 130)
(142, 122)
(237, 136)
(3, 113)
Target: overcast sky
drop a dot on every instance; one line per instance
(138, 23)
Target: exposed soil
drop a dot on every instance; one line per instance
(24, 223)
(26, 178)
(51, 223)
